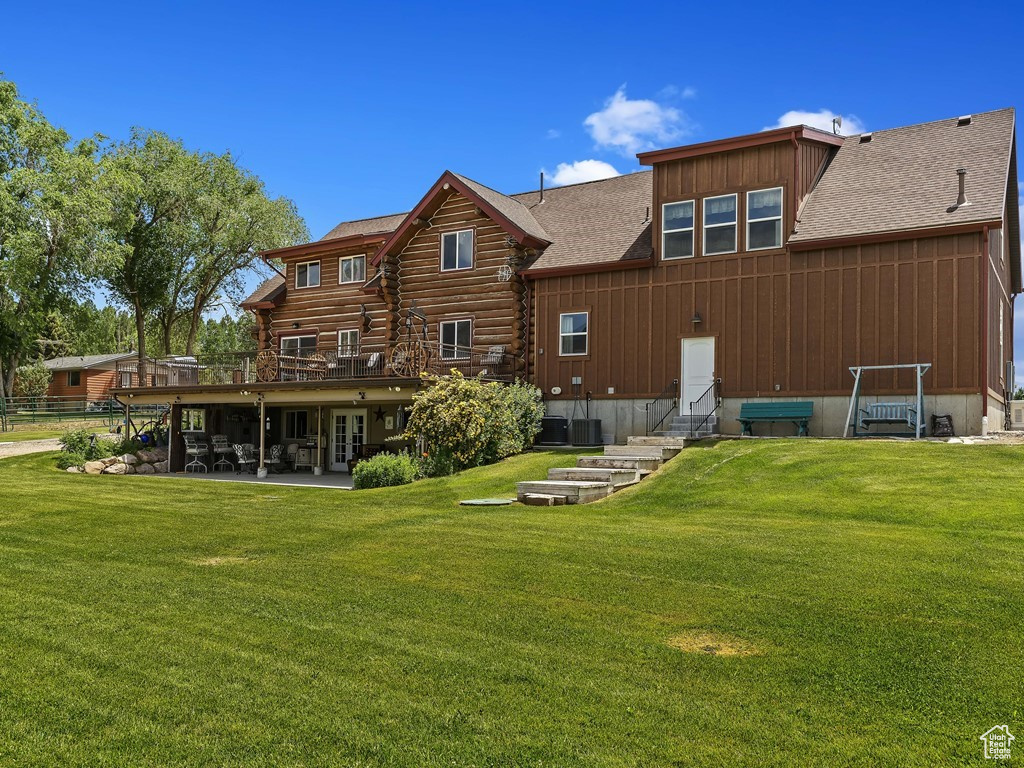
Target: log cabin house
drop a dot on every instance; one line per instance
(758, 268)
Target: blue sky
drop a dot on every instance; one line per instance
(354, 110)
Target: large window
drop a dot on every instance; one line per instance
(457, 250)
(677, 230)
(572, 333)
(74, 378)
(352, 269)
(719, 225)
(299, 346)
(296, 425)
(348, 343)
(456, 339)
(764, 219)
(307, 275)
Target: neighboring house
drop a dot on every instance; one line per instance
(88, 379)
(772, 261)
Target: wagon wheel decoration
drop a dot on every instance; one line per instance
(266, 365)
(409, 358)
(316, 367)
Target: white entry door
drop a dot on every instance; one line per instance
(348, 433)
(698, 371)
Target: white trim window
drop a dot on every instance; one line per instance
(719, 225)
(298, 346)
(296, 425)
(307, 274)
(352, 269)
(348, 343)
(764, 219)
(456, 339)
(573, 333)
(457, 250)
(677, 230)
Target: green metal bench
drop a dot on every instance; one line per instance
(799, 413)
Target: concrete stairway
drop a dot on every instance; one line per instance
(682, 426)
(595, 477)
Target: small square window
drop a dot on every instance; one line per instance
(573, 332)
(74, 378)
(457, 250)
(352, 269)
(456, 339)
(307, 275)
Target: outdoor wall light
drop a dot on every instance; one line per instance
(362, 395)
(245, 393)
(696, 318)
(295, 325)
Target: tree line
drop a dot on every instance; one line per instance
(168, 234)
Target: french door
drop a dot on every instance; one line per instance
(348, 433)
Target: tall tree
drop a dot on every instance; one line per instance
(153, 182)
(52, 234)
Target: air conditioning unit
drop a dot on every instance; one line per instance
(554, 430)
(585, 431)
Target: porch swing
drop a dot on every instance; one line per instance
(909, 413)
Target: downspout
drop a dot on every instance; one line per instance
(529, 316)
(984, 323)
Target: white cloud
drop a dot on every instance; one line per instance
(632, 125)
(675, 92)
(553, 133)
(580, 171)
(822, 119)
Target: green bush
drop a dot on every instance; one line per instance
(468, 422)
(77, 447)
(384, 470)
(66, 459)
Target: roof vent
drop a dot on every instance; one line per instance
(865, 138)
(961, 198)
(963, 120)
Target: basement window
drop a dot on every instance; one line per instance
(764, 219)
(457, 250)
(572, 333)
(296, 425)
(719, 225)
(456, 339)
(677, 230)
(307, 275)
(352, 269)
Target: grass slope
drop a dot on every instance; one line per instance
(873, 593)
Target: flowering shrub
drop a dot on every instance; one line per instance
(468, 422)
(383, 470)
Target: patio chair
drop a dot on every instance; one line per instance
(273, 459)
(199, 453)
(246, 458)
(293, 451)
(222, 449)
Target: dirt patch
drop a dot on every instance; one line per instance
(712, 644)
(27, 446)
(225, 560)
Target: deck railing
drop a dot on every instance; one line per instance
(407, 359)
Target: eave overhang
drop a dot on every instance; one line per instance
(792, 133)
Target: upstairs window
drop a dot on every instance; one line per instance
(572, 333)
(677, 230)
(74, 378)
(348, 343)
(352, 269)
(719, 225)
(298, 346)
(764, 219)
(457, 250)
(456, 339)
(307, 275)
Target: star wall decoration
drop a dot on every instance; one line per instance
(379, 413)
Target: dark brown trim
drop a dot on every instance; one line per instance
(323, 247)
(883, 237)
(583, 269)
(739, 142)
(272, 386)
(986, 283)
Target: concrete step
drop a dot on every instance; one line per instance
(639, 463)
(661, 440)
(574, 491)
(662, 452)
(614, 477)
(542, 500)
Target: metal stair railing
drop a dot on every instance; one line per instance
(660, 407)
(705, 406)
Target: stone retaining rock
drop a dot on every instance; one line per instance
(110, 461)
(94, 467)
(116, 469)
(129, 459)
(74, 470)
(161, 466)
(145, 469)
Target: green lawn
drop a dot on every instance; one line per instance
(17, 436)
(865, 601)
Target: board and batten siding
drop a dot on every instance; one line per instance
(785, 324)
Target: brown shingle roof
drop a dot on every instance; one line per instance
(372, 226)
(268, 290)
(510, 208)
(905, 178)
(597, 222)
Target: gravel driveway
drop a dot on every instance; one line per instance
(28, 446)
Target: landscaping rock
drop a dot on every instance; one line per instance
(131, 469)
(145, 469)
(74, 470)
(116, 469)
(110, 461)
(94, 467)
(161, 466)
(159, 453)
(146, 457)
(129, 459)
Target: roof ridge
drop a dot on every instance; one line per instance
(928, 122)
(582, 183)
